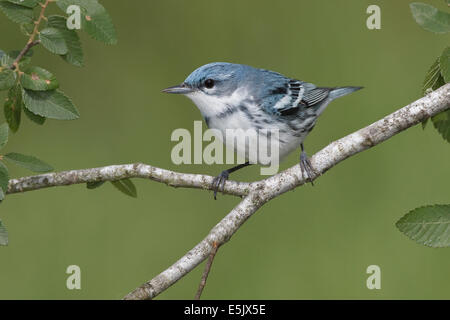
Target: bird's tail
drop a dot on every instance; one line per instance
(342, 91)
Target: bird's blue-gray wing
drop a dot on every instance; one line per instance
(286, 96)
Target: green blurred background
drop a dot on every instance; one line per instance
(311, 243)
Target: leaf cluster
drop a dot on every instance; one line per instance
(34, 89)
(437, 21)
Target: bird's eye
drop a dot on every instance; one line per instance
(209, 83)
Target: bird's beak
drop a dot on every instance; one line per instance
(179, 89)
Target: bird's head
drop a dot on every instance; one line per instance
(216, 79)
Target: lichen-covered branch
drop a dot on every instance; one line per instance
(118, 172)
(262, 191)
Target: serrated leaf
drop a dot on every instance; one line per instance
(3, 135)
(95, 19)
(53, 40)
(13, 108)
(430, 18)
(25, 3)
(39, 79)
(444, 62)
(441, 122)
(428, 225)
(126, 186)
(74, 52)
(28, 162)
(3, 233)
(7, 78)
(50, 104)
(12, 115)
(433, 79)
(4, 177)
(34, 117)
(94, 185)
(16, 13)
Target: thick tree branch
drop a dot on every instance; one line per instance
(255, 194)
(262, 191)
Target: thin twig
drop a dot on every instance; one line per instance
(31, 42)
(24, 51)
(205, 274)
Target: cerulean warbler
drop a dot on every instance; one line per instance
(236, 96)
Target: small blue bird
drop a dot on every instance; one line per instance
(236, 96)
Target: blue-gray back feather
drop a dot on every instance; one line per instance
(273, 92)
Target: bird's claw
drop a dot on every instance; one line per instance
(306, 167)
(219, 182)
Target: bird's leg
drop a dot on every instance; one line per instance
(305, 165)
(219, 181)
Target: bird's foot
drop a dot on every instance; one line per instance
(306, 167)
(219, 182)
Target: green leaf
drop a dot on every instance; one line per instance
(7, 78)
(2, 195)
(3, 234)
(34, 117)
(441, 122)
(94, 185)
(126, 186)
(444, 62)
(74, 52)
(430, 18)
(25, 3)
(36, 78)
(3, 135)
(13, 108)
(433, 79)
(95, 20)
(428, 225)
(50, 104)
(53, 40)
(16, 13)
(28, 162)
(12, 115)
(4, 177)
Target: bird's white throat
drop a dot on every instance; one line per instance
(211, 105)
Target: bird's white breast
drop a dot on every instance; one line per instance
(238, 111)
